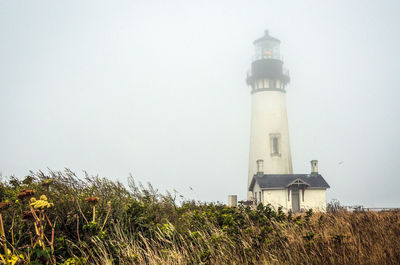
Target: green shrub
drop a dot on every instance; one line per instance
(93, 220)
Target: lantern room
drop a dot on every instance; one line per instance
(267, 47)
(267, 71)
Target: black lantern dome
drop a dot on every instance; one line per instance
(267, 66)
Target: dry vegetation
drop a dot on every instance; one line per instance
(96, 221)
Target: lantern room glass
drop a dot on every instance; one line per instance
(267, 50)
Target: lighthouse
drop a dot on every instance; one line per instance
(269, 137)
(270, 178)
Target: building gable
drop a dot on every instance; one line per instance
(298, 182)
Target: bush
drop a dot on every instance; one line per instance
(97, 221)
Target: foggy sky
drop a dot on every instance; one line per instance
(157, 89)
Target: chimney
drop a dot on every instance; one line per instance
(232, 200)
(314, 166)
(266, 32)
(260, 166)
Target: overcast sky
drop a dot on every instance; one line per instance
(157, 89)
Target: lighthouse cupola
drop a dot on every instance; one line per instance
(267, 47)
(267, 71)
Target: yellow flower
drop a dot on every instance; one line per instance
(42, 203)
(12, 258)
(47, 182)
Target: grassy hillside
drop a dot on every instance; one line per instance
(57, 218)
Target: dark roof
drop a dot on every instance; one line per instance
(266, 37)
(277, 181)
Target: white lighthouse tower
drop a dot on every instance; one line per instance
(269, 139)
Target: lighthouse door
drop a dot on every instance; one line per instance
(295, 200)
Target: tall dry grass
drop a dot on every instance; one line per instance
(97, 221)
(331, 238)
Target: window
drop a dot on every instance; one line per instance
(272, 84)
(302, 195)
(260, 83)
(266, 83)
(259, 195)
(267, 49)
(275, 144)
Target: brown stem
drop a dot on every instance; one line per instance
(42, 224)
(52, 228)
(77, 227)
(80, 210)
(12, 230)
(34, 214)
(3, 235)
(94, 214)
(1, 224)
(105, 220)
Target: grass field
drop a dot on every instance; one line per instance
(58, 218)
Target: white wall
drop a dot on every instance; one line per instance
(256, 189)
(276, 198)
(269, 116)
(315, 199)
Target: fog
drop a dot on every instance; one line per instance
(157, 89)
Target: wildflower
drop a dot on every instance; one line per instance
(41, 203)
(47, 182)
(25, 193)
(13, 258)
(4, 205)
(93, 200)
